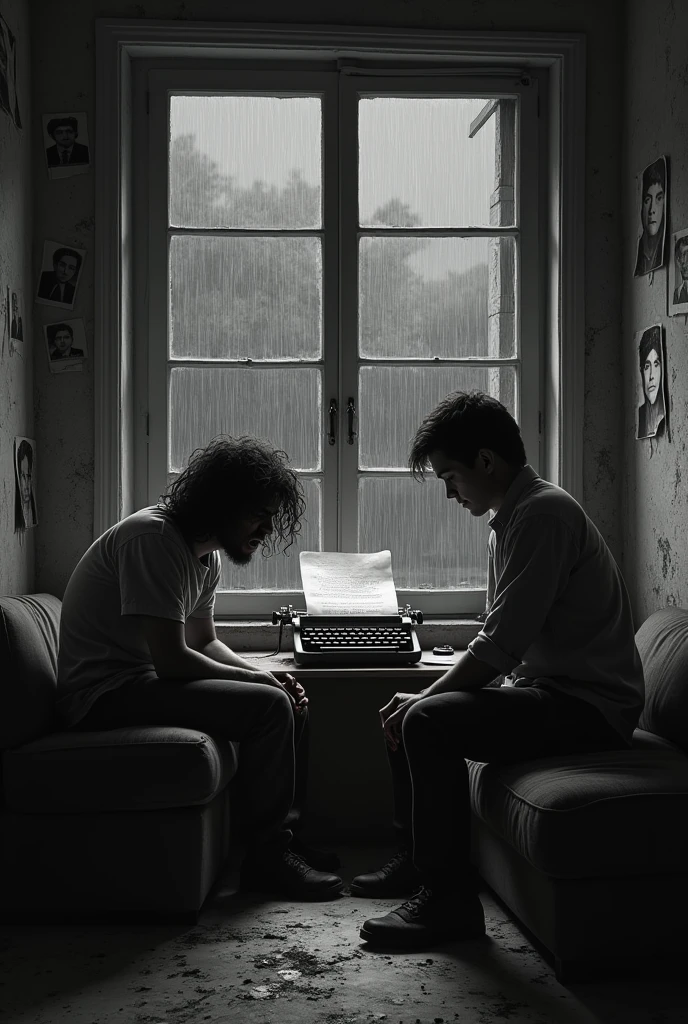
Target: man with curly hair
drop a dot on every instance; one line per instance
(138, 644)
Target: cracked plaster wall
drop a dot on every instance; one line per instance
(64, 51)
(16, 363)
(655, 519)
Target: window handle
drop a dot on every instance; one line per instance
(351, 412)
(332, 435)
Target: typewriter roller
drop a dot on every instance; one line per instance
(353, 639)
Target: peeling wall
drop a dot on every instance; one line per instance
(16, 362)
(64, 211)
(655, 517)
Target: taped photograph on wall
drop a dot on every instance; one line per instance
(652, 381)
(25, 477)
(653, 217)
(60, 275)
(9, 100)
(65, 137)
(66, 345)
(678, 273)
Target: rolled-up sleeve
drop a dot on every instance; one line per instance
(541, 551)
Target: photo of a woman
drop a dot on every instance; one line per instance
(652, 412)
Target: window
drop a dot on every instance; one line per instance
(330, 255)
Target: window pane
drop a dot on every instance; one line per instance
(418, 167)
(245, 161)
(280, 406)
(239, 298)
(394, 400)
(435, 544)
(280, 571)
(426, 297)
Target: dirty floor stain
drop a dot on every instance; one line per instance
(254, 962)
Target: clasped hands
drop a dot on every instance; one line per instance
(392, 715)
(290, 685)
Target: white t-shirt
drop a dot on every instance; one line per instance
(140, 566)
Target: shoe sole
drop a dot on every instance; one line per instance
(413, 940)
(302, 895)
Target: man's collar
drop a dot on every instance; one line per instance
(518, 485)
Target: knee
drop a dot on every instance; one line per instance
(275, 702)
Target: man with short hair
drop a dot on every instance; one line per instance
(138, 643)
(681, 256)
(558, 626)
(56, 284)
(66, 151)
(61, 338)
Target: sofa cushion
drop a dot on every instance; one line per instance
(618, 812)
(132, 769)
(29, 628)
(662, 642)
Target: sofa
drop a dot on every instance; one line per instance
(590, 852)
(125, 823)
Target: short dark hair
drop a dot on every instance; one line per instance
(60, 122)
(240, 473)
(462, 424)
(25, 451)
(52, 330)
(63, 251)
(681, 243)
(651, 339)
(654, 174)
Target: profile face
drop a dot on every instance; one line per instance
(652, 375)
(65, 268)
(682, 258)
(25, 480)
(64, 135)
(62, 341)
(653, 209)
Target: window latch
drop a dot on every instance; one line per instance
(332, 435)
(351, 412)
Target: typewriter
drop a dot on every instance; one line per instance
(342, 640)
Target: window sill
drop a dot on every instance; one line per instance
(245, 635)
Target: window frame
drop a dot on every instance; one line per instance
(127, 50)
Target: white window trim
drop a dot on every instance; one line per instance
(119, 43)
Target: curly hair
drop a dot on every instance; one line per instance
(462, 424)
(231, 477)
(651, 339)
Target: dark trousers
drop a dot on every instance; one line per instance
(273, 758)
(432, 813)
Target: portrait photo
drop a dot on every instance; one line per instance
(653, 401)
(25, 479)
(16, 316)
(60, 273)
(653, 217)
(65, 137)
(9, 101)
(678, 273)
(65, 343)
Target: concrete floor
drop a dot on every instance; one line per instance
(254, 962)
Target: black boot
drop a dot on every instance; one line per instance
(428, 918)
(286, 874)
(398, 877)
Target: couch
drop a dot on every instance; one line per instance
(130, 823)
(590, 852)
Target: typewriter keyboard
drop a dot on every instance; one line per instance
(363, 638)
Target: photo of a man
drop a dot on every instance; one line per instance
(57, 287)
(653, 203)
(652, 412)
(24, 463)
(65, 342)
(66, 144)
(678, 288)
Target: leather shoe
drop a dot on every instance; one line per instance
(429, 917)
(398, 877)
(287, 874)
